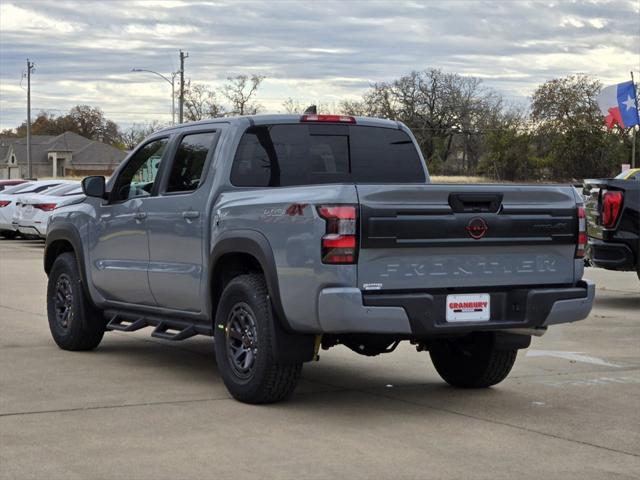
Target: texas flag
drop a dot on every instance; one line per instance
(618, 104)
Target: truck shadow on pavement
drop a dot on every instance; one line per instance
(335, 382)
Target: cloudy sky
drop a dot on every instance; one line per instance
(312, 51)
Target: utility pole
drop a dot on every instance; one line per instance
(29, 69)
(635, 127)
(183, 55)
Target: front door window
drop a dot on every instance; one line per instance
(139, 174)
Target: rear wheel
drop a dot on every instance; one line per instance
(244, 343)
(75, 323)
(472, 361)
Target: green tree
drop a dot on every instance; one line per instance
(508, 149)
(84, 120)
(564, 103)
(569, 132)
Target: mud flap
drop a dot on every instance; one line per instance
(290, 347)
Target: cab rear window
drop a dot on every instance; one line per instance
(303, 154)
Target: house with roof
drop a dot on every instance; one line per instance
(64, 155)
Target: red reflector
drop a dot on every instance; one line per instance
(328, 118)
(582, 238)
(4, 203)
(582, 243)
(46, 207)
(345, 241)
(611, 207)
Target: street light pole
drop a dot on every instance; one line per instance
(172, 82)
(29, 169)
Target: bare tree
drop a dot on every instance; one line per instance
(240, 91)
(295, 106)
(292, 106)
(441, 108)
(137, 132)
(200, 102)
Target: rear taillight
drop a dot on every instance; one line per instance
(340, 243)
(4, 203)
(45, 207)
(328, 118)
(582, 233)
(611, 208)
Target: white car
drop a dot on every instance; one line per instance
(32, 216)
(10, 198)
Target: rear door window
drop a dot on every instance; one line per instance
(303, 154)
(188, 163)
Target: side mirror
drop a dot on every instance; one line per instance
(94, 186)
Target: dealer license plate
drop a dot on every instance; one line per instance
(474, 307)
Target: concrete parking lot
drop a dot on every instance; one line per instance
(142, 408)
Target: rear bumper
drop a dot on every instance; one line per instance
(610, 255)
(347, 310)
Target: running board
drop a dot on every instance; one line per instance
(173, 329)
(123, 324)
(165, 331)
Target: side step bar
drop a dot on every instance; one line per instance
(166, 328)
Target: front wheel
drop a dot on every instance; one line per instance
(244, 343)
(75, 323)
(472, 361)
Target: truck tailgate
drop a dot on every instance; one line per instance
(415, 237)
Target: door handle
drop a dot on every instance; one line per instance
(139, 216)
(190, 215)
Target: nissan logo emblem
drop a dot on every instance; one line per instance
(477, 228)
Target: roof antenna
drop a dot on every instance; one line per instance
(311, 110)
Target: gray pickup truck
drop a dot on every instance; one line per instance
(280, 235)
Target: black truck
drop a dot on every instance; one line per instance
(613, 223)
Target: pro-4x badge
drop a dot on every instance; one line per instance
(477, 228)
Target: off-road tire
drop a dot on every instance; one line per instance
(85, 325)
(268, 381)
(472, 362)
